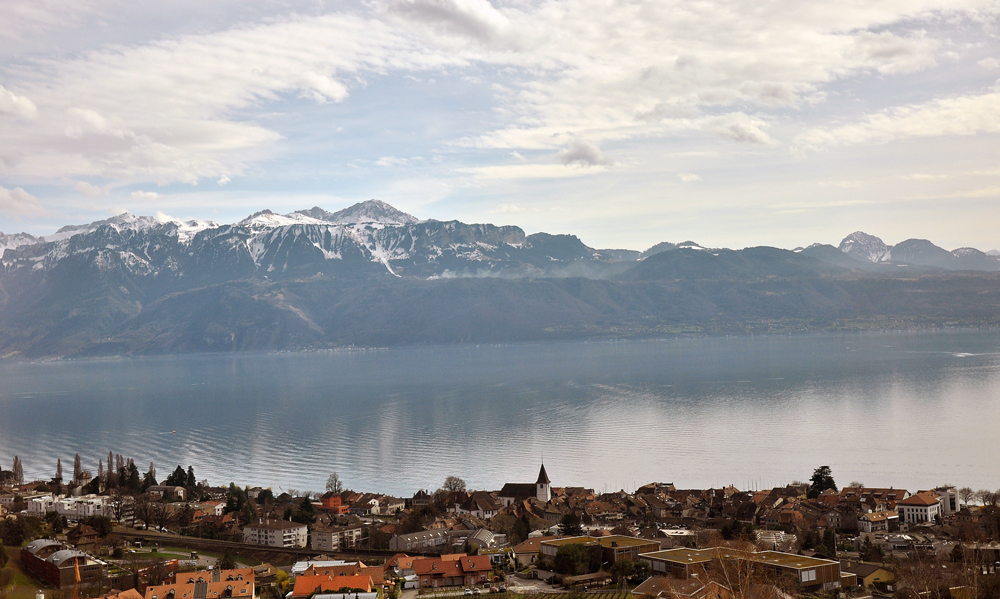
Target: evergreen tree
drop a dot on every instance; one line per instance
(18, 471)
(77, 469)
(59, 477)
(190, 481)
(822, 479)
(569, 525)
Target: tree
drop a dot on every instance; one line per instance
(822, 479)
(227, 562)
(453, 483)
(3, 555)
(305, 513)
(177, 478)
(334, 484)
(570, 526)
(570, 560)
(622, 570)
(190, 481)
(77, 470)
(966, 494)
(18, 471)
(265, 496)
(59, 477)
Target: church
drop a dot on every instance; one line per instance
(540, 490)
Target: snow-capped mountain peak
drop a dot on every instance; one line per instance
(265, 219)
(368, 212)
(862, 246)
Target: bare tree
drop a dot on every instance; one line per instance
(966, 494)
(453, 483)
(334, 484)
(118, 501)
(161, 514)
(143, 510)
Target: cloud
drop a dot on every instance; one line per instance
(989, 63)
(688, 177)
(890, 53)
(393, 161)
(223, 180)
(145, 195)
(477, 19)
(19, 202)
(962, 115)
(89, 190)
(742, 128)
(10, 103)
(583, 153)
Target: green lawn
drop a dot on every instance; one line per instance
(24, 586)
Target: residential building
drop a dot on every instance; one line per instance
(335, 538)
(423, 541)
(656, 587)
(922, 507)
(276, 533)
(526, 553)
(62, 567)
(452, 570)
(878, 522)
(167, 491)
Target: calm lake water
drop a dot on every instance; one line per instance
(908, 410)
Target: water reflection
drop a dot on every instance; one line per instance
(911, 410)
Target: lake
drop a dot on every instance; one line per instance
(909, 410)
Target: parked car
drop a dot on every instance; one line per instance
(468, 591)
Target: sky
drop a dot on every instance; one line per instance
(624, 122)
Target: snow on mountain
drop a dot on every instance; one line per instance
(993, 253)
(368, 212)
(265, 219)
(10, 242)
(120, 222)
(862, 246)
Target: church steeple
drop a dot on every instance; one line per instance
(542, 490)
(542, 477)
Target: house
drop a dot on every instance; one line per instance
(878, 522)
(420, 499)
(306, 586)
(333, 502)
(526, 553)
(276, 533)
(82, 537)
(400, 565)
(922, 507)
(167, 491)
(419, 541)
(452, 570)
(869, 576)
(335, 538)
(217, 584)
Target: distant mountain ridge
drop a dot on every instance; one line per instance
(916, 252)
(373, 275)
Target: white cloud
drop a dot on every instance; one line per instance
(989, 63)
(688, 177)
(392, 161)
(145, 195)
(10, 103)
(19, 202)
(90, 190)
(223, 180)
(962, 115)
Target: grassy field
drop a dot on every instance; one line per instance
(24, 585)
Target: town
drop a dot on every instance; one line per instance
(125, 534)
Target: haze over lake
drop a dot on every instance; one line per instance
(908, 410)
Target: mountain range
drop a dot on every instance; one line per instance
(373, 275)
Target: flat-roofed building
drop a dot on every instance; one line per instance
(613, 547)
(335, 538)
(810, 572)
(276, 533)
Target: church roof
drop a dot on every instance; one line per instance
(542, 477)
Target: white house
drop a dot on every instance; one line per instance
(922, 507)
(276, 533)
